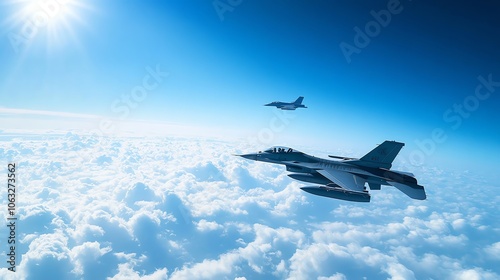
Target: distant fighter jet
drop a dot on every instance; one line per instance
(288, 106)
(345, 178)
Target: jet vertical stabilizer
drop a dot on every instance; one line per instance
(345, 179)
(380, 157)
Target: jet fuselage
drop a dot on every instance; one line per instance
(295, 162)
(309, 169)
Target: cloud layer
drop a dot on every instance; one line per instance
(156, 208)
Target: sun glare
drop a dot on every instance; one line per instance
(53, 21)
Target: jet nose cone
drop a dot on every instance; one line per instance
(248, 156)
(269, 104)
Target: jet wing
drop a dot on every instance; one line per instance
(344, 179)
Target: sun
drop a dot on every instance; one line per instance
(53, 21)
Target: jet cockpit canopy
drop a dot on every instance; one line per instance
(280, 149)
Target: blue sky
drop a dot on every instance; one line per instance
(224, 65)
(182, 207)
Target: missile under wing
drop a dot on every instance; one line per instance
(347, 178)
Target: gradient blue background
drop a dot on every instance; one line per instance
(398, 87)
(93, 207)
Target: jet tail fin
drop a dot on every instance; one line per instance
(298, 101)
(382, 156)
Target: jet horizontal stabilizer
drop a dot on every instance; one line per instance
(345, 179)
(338, 193)
(413, 191)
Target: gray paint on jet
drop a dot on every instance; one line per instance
(345, 178)
(288, 106)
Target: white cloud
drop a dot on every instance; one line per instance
(85, 253)
(208, 269)
(126, 272)
(17, 111)
(152, 208)
(458, 224)
(473, 274)
(204, 225)
(336, 276)
(414, 209)
(493, 250)
(399, 272)
(258, 255)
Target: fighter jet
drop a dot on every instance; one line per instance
(288, 106)
(345, 178)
